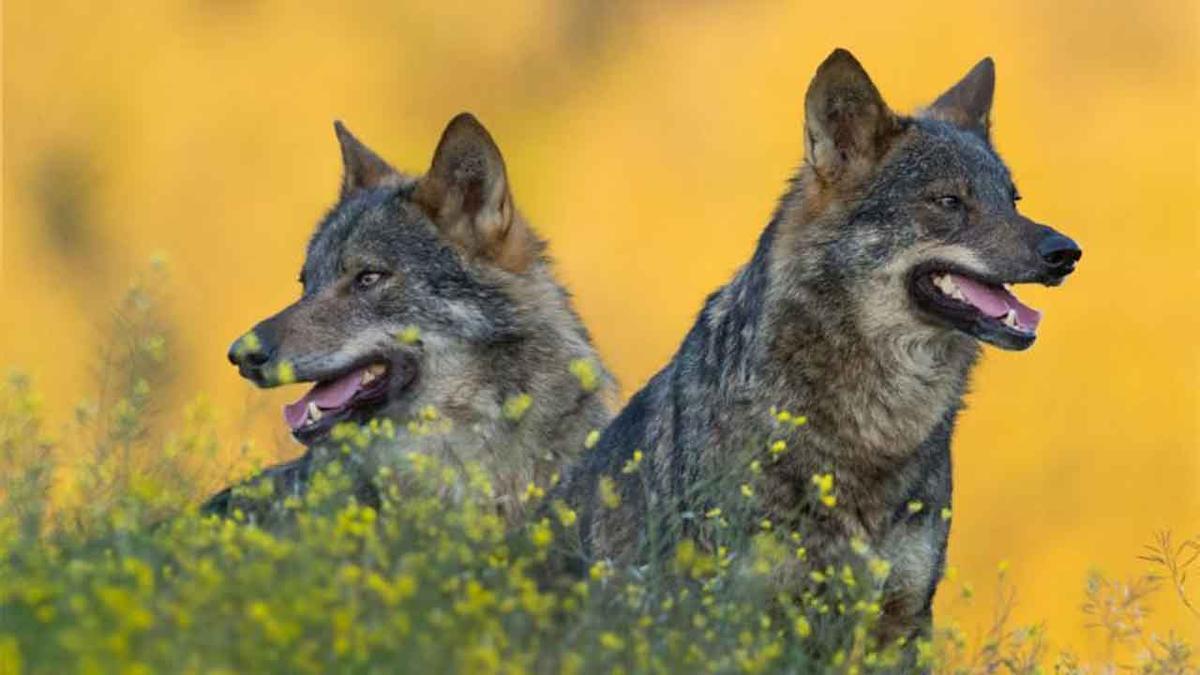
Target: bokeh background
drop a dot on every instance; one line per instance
(648, 142)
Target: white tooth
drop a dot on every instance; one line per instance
(1010, 319)
(376, 369)
(947, 286)
(368, 377)
(314, 413)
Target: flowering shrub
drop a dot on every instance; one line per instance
(106, 566)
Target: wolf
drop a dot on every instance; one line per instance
(887, 263)
(431, 296)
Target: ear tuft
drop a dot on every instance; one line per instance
(847, 125)
(466, 194)
(362, 169)
(968, 104)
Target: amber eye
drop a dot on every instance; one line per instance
(367, 279)
(949, 202)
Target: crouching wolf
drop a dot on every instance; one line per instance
(886, 264)
(431, 295)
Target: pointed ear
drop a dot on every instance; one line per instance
(847, 126)
(968, 104)
(466, 193)
(362, 169)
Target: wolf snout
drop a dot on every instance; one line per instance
(1059, 254)
(251, 354)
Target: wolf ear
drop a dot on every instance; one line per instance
(466, 193)
(847, 125)
(362, 169)
(968, 104)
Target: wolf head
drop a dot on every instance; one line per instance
(917, 215)
(422, 292)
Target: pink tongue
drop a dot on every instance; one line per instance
(996, 301)
(327, 396)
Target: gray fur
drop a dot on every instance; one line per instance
(462, 267)
(822, 322)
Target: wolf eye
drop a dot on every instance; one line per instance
(949, 202)
(367, 279)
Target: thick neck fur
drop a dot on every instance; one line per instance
(470, 387)
(872, 378)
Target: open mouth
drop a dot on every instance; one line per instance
(355, 394)
(985, 309)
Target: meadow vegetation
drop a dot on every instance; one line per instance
(106, 566)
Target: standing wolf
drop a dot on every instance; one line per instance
(885, 265)
(431, 296)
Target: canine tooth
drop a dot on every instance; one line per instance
(368, 377)
(376, 369)
(314, 413)
(1010, 319)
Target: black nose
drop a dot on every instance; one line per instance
(248, 352)
(1060, 253)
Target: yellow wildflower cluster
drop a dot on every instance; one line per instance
(118, 573)
(824, 485)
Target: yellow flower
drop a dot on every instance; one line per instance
(801, 626)
(532, 493)
(785, 417)
(879, 568)
(747, 491)
(632, 465)
(915, 506)
(409, 335)
(593, 437)
(824, 483)
(585, 372)
(611, 641)
(945, 513)
(685, 555)
(248, 344)
(608, 493)
(541, 535)
(515, 407)
(565, 515)
(285, 373)
(600, 571)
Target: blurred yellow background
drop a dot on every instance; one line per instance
(648, 142)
